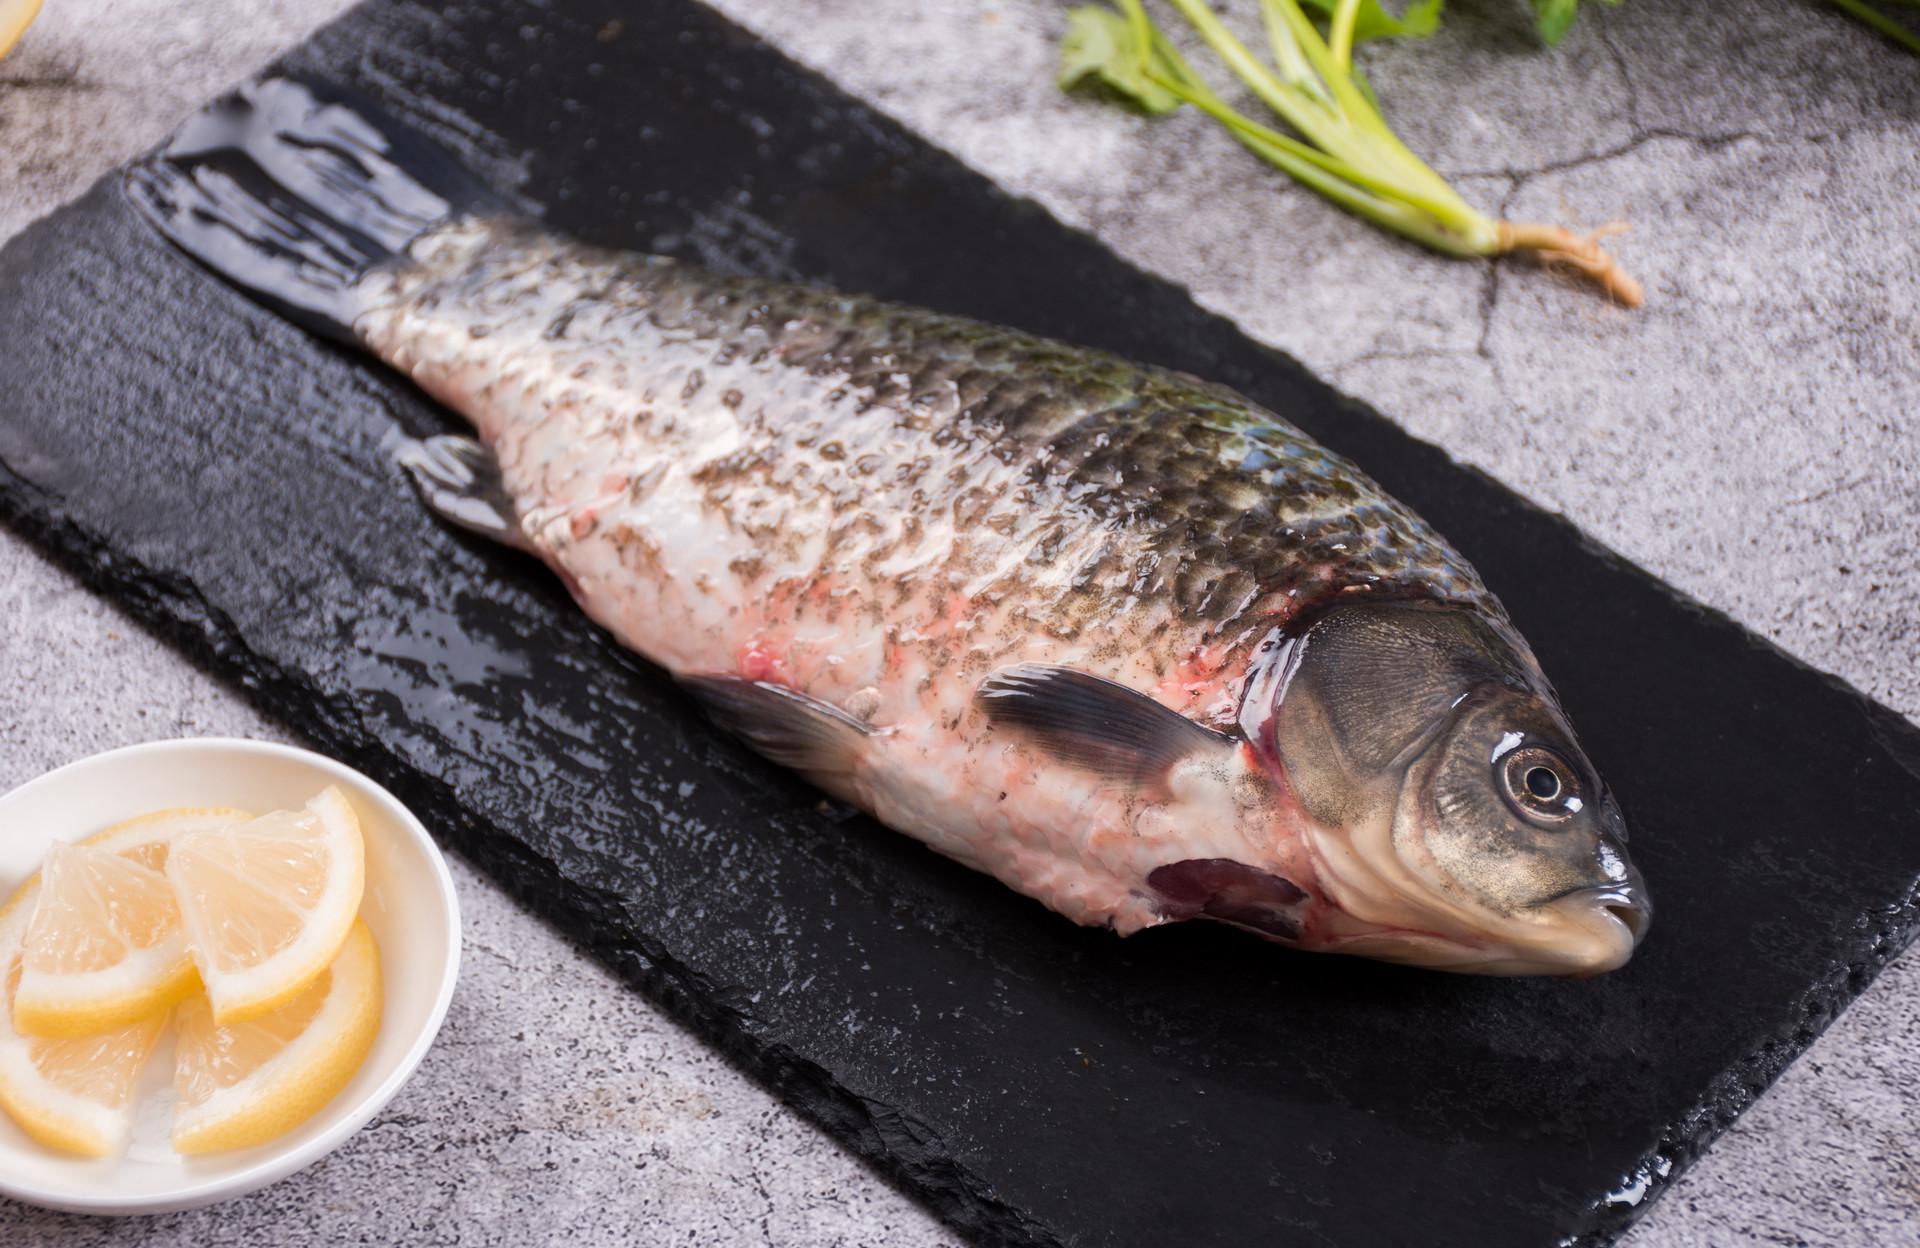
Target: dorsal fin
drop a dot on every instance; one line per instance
(1093, 723)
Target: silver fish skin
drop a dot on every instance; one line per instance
(1115, 635)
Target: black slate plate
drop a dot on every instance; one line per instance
(223, 476)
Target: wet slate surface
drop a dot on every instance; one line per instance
(225, 477)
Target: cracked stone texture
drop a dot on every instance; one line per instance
(1749, 436)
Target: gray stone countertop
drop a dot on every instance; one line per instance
(1751, 435)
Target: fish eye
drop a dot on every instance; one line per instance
(1540, 784)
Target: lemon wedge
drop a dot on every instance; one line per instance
(72, 1095)
(76, 985)
(245, 1083)
(144, 840)
(103, 948)
(268, 903)
(15, 17)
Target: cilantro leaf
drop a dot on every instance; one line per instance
(1421, 19)
(1100, 53)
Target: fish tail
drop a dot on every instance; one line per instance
(293, 190)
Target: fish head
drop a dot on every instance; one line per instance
(1452, 817)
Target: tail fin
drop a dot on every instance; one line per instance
(292, 190)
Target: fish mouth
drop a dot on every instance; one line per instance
(1397, 910)
(1628, 907)
(1595, 929)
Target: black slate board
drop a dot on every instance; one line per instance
(224, 477)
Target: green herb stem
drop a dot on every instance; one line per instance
(1861, 11)
(1340, 34)
(1344, 148)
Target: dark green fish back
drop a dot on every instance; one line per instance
(1117, 486)
(1215, 504)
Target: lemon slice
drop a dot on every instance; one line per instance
(73, 1095)
(145, 840)
(103, 948)
(15, 17)
(59, 1004)
(248, 1082)
(267, 904)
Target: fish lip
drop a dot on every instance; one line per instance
(1626, 903)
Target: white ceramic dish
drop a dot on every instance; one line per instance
(409, 905)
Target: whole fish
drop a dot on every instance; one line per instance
(1114, 635)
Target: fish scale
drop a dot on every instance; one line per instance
(895, 458)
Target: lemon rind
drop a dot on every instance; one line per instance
(143, 982)
(52, 1116)
(302, 1078)
(57, 1118)
(85, 1009)
(239, 996)
(12, 30)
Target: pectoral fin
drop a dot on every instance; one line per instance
(1093, 723)
(787, 726)
(459, 481)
